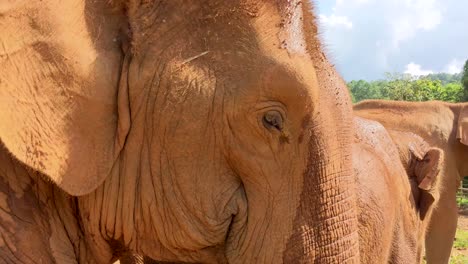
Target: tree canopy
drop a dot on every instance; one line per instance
(464, 80)
(405, 87)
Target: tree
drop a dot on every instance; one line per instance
(399, 87)
(404, 87)
(445, 78)
(465, 81)
(362, 90)
(452, 92)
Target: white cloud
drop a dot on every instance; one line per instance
(340, 2)
(335, 21)
(416, 70)
(387, 34)
(455, 66)
(402, 19)
(412, 16)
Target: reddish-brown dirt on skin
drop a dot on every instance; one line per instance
(437, 123)
(203, 132)
(392, 202)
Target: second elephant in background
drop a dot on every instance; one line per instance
(397, 185)
(442, 125)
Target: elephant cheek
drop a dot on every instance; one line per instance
(239, 221)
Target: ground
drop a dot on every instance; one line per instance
(460, 247)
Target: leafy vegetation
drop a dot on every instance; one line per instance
(462, 196)
(464, 80)
(445, 78)
(404, 87)
(462, 201)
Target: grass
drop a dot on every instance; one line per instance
(458, 259)
(461, 239)
(460, 243)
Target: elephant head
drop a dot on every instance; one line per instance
(212, 131)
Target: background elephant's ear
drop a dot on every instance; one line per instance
(462, 130)
(60, 65)
(428, 169)
(426, 172)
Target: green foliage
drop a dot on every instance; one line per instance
(445, 78)
(404, 87)
(462, 197)
(462, 201)
(464, 80)
(364, 90)
(452, 92)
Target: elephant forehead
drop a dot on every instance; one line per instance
(281, 32)
(196, 76)
(249, 75)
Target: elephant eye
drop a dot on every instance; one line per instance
(273, 120)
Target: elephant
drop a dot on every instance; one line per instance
(398, 183)
(397, 186)
(445, 126)
(206, 131)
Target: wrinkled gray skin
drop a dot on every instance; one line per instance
(210, 131)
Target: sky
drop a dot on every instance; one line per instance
(366, 38)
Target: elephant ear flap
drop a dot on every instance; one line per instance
(427, 171)
(462, 130)
(59, 79)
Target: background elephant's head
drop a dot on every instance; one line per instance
(212, 131)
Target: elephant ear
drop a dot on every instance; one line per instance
(426, 171)
(59, 74)
(462, 131)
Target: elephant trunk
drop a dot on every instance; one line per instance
(325, 227)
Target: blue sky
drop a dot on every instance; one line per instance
(366, 38)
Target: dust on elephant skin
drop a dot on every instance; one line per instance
(397, 185)
(212, 132)
(441, 125)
